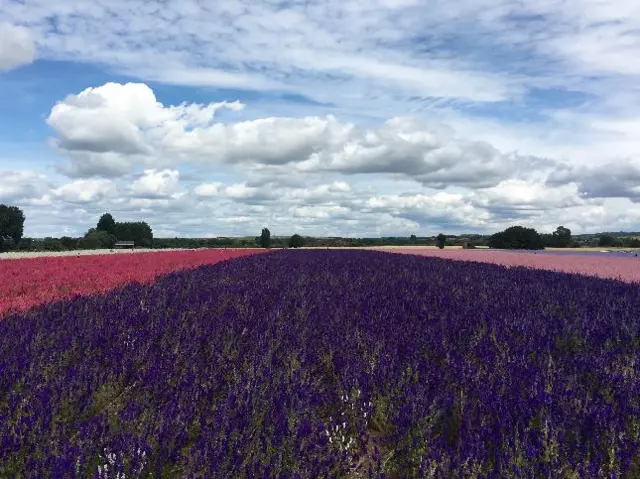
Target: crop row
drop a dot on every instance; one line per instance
(328, 363)
(589, 264)
(34, 281)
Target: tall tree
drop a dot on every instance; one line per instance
(11, 226)
(562, 237)
(296, 241)
(441, 241)
(265, 238)
(139, 232)
(107, 223)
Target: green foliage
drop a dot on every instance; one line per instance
(95, 239)
(138, 232)
(26, 244)
(265, 238)
(560, 238)
(441, 241)
(296, 241)
(517, 237)
(413, 239)
(69, 243)
(606, 240)
(107, 223)
(11, 226)
(52, 244)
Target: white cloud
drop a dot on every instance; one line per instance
(315, 208)
(16, 186)
(123, 123)
(523, 194)
(16, 46)
(85, 191)
(156, 184)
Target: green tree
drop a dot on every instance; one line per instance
(52, 244)
(68, 242)
(265, 238)
(11, 226)
(560, 238)
(138, 232)
(634, 243)
(413, 239)
(296, 241)
(95, 239)
(517, 237)
(441, 241)
(107, 223)
(606, 240)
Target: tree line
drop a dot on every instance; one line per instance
(103, 236)
(108, 231)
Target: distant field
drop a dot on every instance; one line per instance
(605, 265)
(32, 281)
(594, 248)
(83, 252)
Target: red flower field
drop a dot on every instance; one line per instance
(590, 264)
(34, 281)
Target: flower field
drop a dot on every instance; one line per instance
(327, 364)
(591, 264)
(30, 282)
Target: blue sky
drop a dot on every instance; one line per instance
(389, 117)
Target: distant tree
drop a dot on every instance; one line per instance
(107, 223)
(560, 238)
(26, 244)
(138, 232)
(517, 237)
(265, 238)
(441, 241)
(95, 239)
(606, 240)
(11, 226)
(68, 242)
(52, 244)
(634, 243)
(296, 241)
(413, 239)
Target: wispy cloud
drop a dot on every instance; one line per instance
(17, 47)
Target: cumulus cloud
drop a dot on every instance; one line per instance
(614, 180)
(17, 47)
(85, 191)
(239, 192)
(156, 184)
(20, 186)
(334, 208)
(105, 129)
(527, 195)
(436, 209)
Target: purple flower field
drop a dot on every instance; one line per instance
(328, 364)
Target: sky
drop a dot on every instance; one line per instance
(321, 117)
